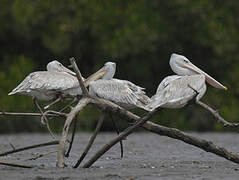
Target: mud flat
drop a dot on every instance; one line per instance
(146, 157)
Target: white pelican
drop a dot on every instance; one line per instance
(121, 92)
(175, 91)
(57, 80)
(55, 83)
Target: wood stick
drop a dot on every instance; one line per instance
(15, 165)
(29, 147)
(79, 77)
(61, 148)
(91, 141)
(160, 130)
(72, 137)
(217, 116)
(25, 114)
(119, 138)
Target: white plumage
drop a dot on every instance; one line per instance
(175, 91)
(121, 92)
(47, 85)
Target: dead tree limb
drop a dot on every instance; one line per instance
(28, 114)
(91, 141)
(14, 165)
(61, 148)
(164, 131)
(119, 138)
(79, 76)
(217, 116)
(72, 136)
(29, 147)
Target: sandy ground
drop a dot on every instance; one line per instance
(147, 157)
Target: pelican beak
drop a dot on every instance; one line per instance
(97, 75)
(64, 69)
(208, 78)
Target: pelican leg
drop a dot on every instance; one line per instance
(91, 141)
(117, 131)
(69, 105)
(194, 99)
(72, 137)
(44, 119)
(52, 103)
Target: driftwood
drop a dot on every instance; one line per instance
(105, 105)
(15, 165)
(15, 150)
(161, 130)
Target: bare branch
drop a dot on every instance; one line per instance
(119, 138)
(15, 165)
(79, 76)
(72, 137)
(91, 141)
(61, 148)
(29, 114)
(29, 147)
(160, 130)
(217, 116)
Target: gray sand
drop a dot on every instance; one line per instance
(147, 156)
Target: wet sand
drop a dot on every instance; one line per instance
(146, 157)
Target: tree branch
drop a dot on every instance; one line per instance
(160, 130)
(79, 77)
(61, 148)
(29, 114)
(217, 116)
(29, 147)
(119, 138)
(14, 165)
(91, 141)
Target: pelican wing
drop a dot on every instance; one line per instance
(121, 92)
(45, 81)
(179, 91)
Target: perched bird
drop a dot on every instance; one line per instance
(175, 91)
(121, 92)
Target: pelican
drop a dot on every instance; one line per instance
(57, 80)
(55, 83)
(175, 91)
(122, 92)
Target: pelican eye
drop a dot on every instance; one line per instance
(186, 61)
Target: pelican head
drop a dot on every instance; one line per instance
(55, 66)
(106, 72)
(182, 66)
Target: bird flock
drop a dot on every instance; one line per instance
(175, 91)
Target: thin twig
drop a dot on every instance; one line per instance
(91, 141)
(119, 138)
(29, 147)
(118, 132)
(25, 114)
(79, 76)
(14, 165)
(217, 116)
(72, 136)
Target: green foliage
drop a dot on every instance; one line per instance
(138, 35)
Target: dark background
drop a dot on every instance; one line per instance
(138, 35)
